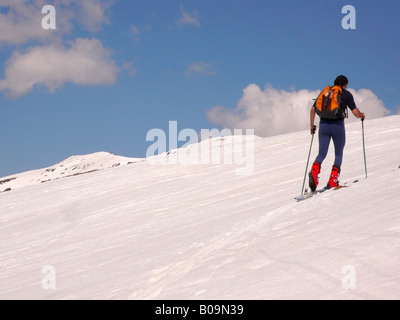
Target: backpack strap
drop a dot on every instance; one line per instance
(339, 99)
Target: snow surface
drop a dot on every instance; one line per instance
(201, 231)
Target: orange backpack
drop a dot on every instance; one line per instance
(328, 103)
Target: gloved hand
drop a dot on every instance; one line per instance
(313, 129)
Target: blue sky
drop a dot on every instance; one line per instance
(113, 70)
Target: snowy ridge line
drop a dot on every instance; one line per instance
(213, 148)
(70, 167)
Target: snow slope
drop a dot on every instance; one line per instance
(151, 231)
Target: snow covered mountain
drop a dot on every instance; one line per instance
(72, 166)
(201, 231)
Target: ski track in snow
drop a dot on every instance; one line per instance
(144, 231)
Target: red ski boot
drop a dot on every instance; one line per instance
(333, 180)
(313, 176)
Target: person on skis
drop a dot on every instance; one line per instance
(332, 129)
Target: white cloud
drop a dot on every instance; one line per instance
(137, 32)
(369, 103)
(271, 111)
(130, 68)
(51, 64)
(86, 62)
(199, 67)
(188, 18)
(20, 20)
(93, 14)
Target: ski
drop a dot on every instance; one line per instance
(308, 195)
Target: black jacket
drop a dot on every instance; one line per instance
(347, 100)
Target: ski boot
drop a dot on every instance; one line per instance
(333, 180)
(313, 176)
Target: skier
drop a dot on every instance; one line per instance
(335, 129)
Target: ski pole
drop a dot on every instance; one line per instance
(308, 160)
(365, 158)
